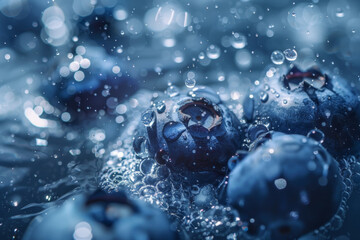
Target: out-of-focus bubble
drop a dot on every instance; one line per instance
(238, 40)
(27, 41)
(308, 23)
(109, 3)
(183, 19)
(243, 58)
(116, 69)
(134, 26)
(339, 13)
(178, 56)
(167, 16)
(169, 42)
(213, 52)
(277, 57)
(79, 76)
(83, 8)
(201, 55)
(12, 8)
(226, 41)
(120, 14)
(6, 54)
(55, 31)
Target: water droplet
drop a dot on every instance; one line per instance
(139, 144)
(317, 135)
(41, 142)
(161, 156)
(147, 191)
(178, 57)
(173, 130)
(327, 113)
(285, 101)
(172, 91)
(255, 131)
(243, 58)
(339, 13)
(160, 107)
(238, 41)
(290, 54)
(277, 57)
(264, 97)
(163, 186)
(146, 166)
(213, 52)
(201, 55)
(148, 118)
(162, 172)
(190, 82)
(280, 183)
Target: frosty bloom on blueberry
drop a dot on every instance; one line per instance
(194, 132)
(290, 185)
(101, 215)
(299, 102)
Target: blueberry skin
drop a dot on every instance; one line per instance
(290, 184)
(109, 216)
(94, 91)
(299, 102)
(193, 133)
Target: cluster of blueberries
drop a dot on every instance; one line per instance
(281, 161)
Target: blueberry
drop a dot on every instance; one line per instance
(101, 216)
(290, 185)
(103, 28)
(299, 102)
(89, 82)
(192, 133)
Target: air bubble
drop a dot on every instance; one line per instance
(238, 41)
(148, 118)
(190, 82)
(172, 91)
(317, 135)
(277, 57)
(213, 52)
(339, 13)
(290, 54)
(201, 55)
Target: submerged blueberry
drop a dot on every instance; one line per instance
(89, 82)
(102, 27)
(192, 133)
(290, 185)
(299, 102)
(104, 216)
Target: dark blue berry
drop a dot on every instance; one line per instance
(101, 216)
(98, 86)
(299, 102)
(192, 133)
(103, 28)
(290, 185)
